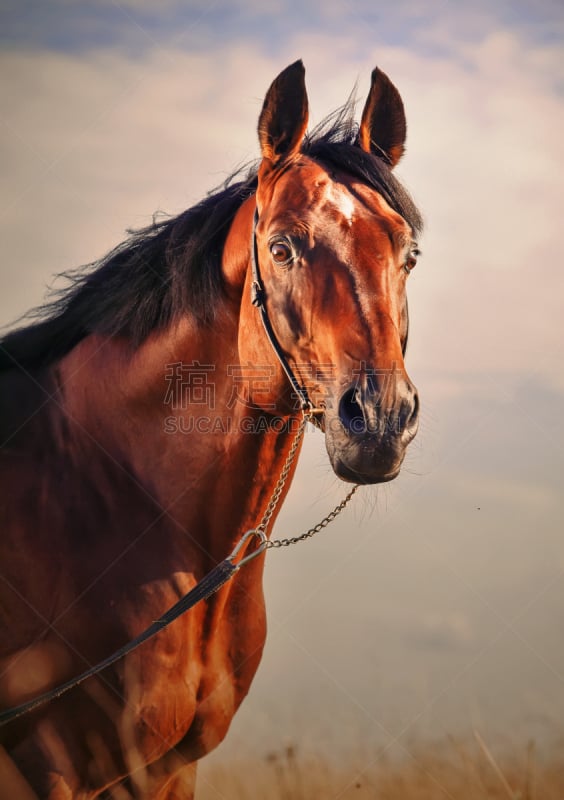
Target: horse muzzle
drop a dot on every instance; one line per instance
(369, 428)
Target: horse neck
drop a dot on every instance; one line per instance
(173, 414)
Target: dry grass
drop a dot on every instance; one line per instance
(451, 769)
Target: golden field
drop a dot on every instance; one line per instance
(451, 769)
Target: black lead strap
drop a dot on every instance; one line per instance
(219, 575)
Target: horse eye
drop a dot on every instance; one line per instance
(281, 252)
(412, 259)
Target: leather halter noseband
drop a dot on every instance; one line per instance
(258, 299)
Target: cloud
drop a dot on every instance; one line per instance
(97, 143)
(485, 162)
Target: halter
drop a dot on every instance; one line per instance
(258, 298)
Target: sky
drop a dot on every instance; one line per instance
(434, 604)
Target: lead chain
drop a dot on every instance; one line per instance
(275, 499)
(316, 528)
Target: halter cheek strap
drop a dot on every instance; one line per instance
(258, 299)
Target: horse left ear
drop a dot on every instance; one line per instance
(383, 127)
(283, 119)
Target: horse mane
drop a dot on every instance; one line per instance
(173, 266)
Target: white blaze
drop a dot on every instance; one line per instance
(342, 201)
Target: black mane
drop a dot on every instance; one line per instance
(173, 266)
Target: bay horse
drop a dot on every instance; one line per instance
(145, 418)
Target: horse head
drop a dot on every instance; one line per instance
(334, 256)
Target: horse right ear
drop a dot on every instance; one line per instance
(383, 127)
(283, 119)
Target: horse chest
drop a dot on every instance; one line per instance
(186, 685)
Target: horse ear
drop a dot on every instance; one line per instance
(383, 127)
(283, 119)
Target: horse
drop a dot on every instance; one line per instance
(146, 415)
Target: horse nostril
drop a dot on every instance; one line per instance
(350, 412)
(412, 414)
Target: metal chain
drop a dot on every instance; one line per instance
(275, 499)
(316, 528)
